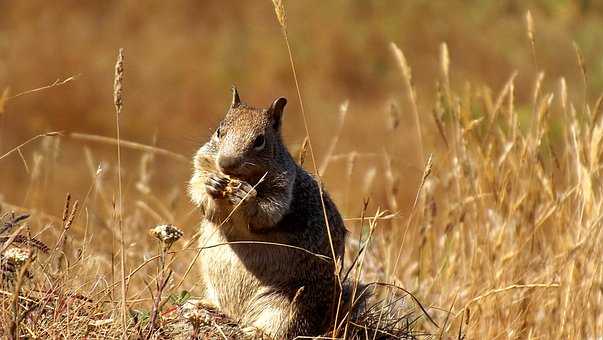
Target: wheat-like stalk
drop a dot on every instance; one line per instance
(279, 9)
(3, 100)
(303, 150)
(582, 66)
(530, 34)
(118, 82)
(412, 97)
(118, 101)
(281, 15)
(563, 93)
(445, 65)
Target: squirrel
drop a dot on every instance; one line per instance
(268, 259)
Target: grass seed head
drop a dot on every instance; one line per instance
(281, 16)
(445, 62)
(3, 100)
(402, 63)
(303, 151)
(118, 98)
(530, 27)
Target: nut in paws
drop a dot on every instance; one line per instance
(216, 185)
(237, 191)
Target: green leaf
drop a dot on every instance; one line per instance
(180, 299)
(140, 315)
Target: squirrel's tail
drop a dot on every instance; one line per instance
(355, 298)
(370, 317)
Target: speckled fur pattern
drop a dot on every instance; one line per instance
(282, 291)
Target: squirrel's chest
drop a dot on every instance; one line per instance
(236, 274)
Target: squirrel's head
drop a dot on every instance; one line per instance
(248, 139)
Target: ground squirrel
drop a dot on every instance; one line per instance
(250, 189)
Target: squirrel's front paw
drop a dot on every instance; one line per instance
(239, 191)
(215, 185)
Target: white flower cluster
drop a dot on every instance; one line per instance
(194, 313)
(167, 233)
(16, 256)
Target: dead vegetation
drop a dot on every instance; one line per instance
(503, 237)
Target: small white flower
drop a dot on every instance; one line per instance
(193, 312)
(16, 255)
(167, 233)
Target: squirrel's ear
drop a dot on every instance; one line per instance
(276, 111)
(236, 100)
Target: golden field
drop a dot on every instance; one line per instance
(462, 142)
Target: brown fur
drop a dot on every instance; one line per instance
(279, 289)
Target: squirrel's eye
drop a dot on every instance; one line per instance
(259, 142)
(218, 132)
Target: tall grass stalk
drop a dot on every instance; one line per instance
(281, 16)
(118, 102)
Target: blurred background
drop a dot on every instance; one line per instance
(183, 56)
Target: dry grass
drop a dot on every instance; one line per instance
(502, 240)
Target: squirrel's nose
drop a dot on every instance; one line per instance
(228, 163)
